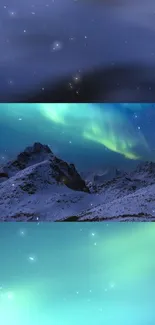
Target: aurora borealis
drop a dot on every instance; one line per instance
(77, 274)
(86, 134)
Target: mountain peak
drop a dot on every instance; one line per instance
(37, 147)
(37, 185)
(34, 156)
(31, 155)
(147, 166)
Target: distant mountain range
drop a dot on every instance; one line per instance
(38, 186)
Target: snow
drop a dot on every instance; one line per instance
(38, 192)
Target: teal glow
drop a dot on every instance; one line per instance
(125, 131)
(83, 273)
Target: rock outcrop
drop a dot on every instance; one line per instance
(38, 186)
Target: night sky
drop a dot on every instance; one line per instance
(88, 135)
(77, 274)
(45, 41)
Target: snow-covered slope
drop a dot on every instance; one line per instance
(38, 186)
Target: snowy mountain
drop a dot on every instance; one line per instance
(38, 186)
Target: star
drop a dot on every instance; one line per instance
(22, 232)
(32, 258)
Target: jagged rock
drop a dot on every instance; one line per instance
(40, 186)
(3, 175)
(60, 170)
(148, 167)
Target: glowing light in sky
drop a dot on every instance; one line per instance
(125, 130)
(75, 281)
(104, 124)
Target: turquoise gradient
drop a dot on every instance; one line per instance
(75, 274)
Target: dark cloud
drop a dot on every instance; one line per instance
(113, 39)
(128, 83)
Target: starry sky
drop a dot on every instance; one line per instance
(76, 274)
(46, 41)
(88, 135)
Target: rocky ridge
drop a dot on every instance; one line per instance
(37, 185)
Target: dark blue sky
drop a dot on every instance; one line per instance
(46, 40)
(89, 135)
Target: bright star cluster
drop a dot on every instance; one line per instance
(50, 40)
(70, 280)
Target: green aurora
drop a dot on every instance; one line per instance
(113, 127)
